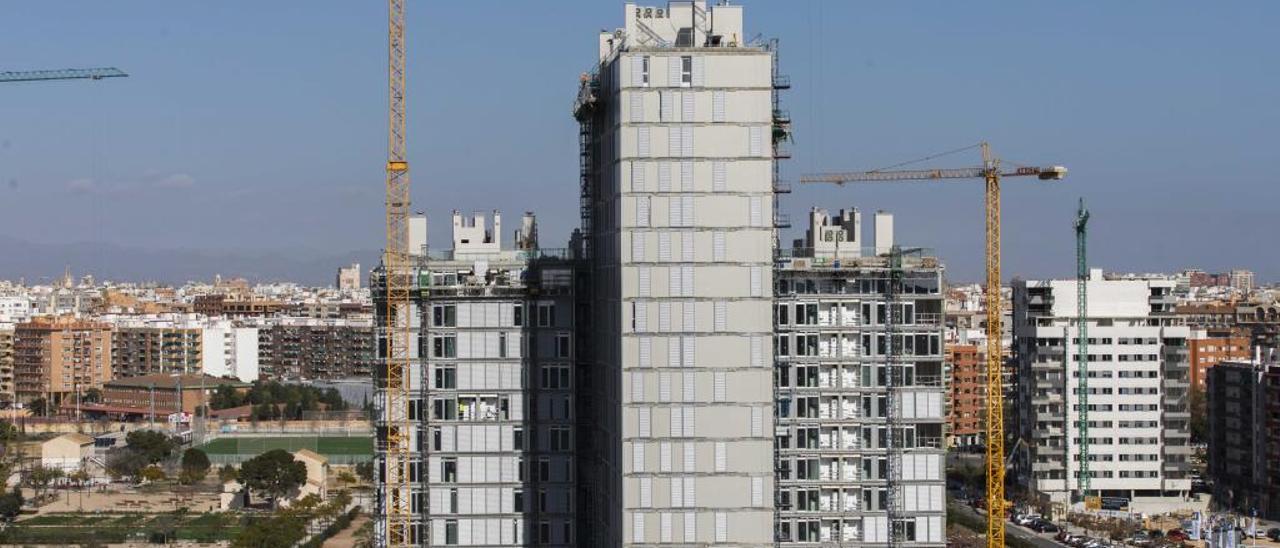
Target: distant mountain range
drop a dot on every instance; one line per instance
(37, 262)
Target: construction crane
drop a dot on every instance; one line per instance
(61, 74)
(1082, 345)
(398, 272)
(991, 172)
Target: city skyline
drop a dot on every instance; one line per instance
(254, 133)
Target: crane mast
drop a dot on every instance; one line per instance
(991, 173)
(1082, 344)
(61, 74)
(398, 272)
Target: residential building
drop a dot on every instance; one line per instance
(1207, 351)
(1241, 279)
(1138, 380)
(7, 395)
(14, 308)
(349, 277)
(56, 357)
(1244, 436)
(494, 401)
(230, 350)
(677, 132)
(860, 390)
(966, 395)
(304, 348)
(145, 348)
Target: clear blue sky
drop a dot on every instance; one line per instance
(261, 125)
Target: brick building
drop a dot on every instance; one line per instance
(966, 396)
(55, 357)
(1209, 351)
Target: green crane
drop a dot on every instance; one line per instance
(1082, 343)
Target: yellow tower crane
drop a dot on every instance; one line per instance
(398, 271)
(991, 172)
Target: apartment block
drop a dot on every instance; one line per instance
(146, 348)
(1138, 381)
(54, 357)
(1244, 436)
(860, 390)
(677, 126)
(966, 395)
(1207, 351)
(7, 394)
(306, 348)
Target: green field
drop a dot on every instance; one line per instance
(325, 445)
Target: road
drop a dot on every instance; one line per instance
(1010, 530)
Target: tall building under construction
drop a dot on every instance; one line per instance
(677, 123)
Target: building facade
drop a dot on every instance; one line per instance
(1139, 376)
(56, 357)
(304, 348)
(7, 395)
(140, 349)
(966, 395)
(1207, 351)
(1244, 436)
(677, 156)
(860, 390)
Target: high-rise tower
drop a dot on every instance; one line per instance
(677, 131)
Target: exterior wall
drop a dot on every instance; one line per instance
(137, 351)
(231, 352)
(65, 453)
(315, 350)
(966, 395)
(54, 357)
(1139, 413)
(7, 394)
(680, 231)
(835, 478)
(1210, 351)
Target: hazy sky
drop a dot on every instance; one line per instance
(261, 125)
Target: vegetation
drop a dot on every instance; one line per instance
(144, 448)
(39, 479)
(38, 407)
(288, 526)
(273, 473)
(333, 529)
(272, 400)
(1199, 415)
(195, 466)
(98, 529)
(228, 473)
(365, 471)
(11, 504)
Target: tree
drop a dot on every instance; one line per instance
(38, 479)
(274, 473)
(11, 504)
(1199, 415)
(228, 473)
(226, 396)
(152, 474)
(79, 477)
(92, 395)
(271, 532)
(195, 465)
(38, 406)
(125, 462)
(365, 470)
(154, 446)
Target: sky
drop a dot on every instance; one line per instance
(260, 127)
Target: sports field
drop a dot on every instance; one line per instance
(325, 445)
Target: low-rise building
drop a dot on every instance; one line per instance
(156, 396)
(67, 452)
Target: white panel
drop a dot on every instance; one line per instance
(464, 439)
(646, 350)
(638, 183)
(721, 386)
(907, 467)
(664, 386)
(922, 467)
(637, 457)
(642, 211)
(677, 421)
(492, 315)
(935, 405)
(756, 145)
(664, 316)
(637, 71)
(686, 106)
(936, 498)
(664, 457)
(677, 492)
(757, 275)
(642, 276)
(690, 422)
(686, 142)
(757, 421)
(722, 527)
(717, 106)
(643, 415)
(757, 492)
(664, 246)
(721, 312)
(909, 495)
(666, 527)
(637, 527)
(689, 462)
(675, 147)
(690, 519)
(646, 492)
(637, 386)
(699, 71)
(686, 246)
(492, 439)
(668, 105)
(689, 387)
(690, 345)
(686, 273)
(642, 141)
(673, 71)
(717, 246)
(437, 532)
(933, 468)
(757, 351)
(756, 215)
(689, 314)
(936, 531)
(722, 456)
(673, 282)
(686, 176)
(674, 216)
(907, 404)
(664, 176)
(673, 352)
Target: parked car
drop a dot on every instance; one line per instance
(1044, 526)
(1274, 534)
(1176, 535)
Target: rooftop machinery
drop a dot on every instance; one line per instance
(991, 172)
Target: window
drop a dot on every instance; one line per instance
(555, 377)
(444, 347)
(451, 532)
(686, 71)
(502, 344)
(446, 378)
(517, 315)
(560, 439)
(546, 314)
(449, 469)
(562, 345)
(444, 315)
